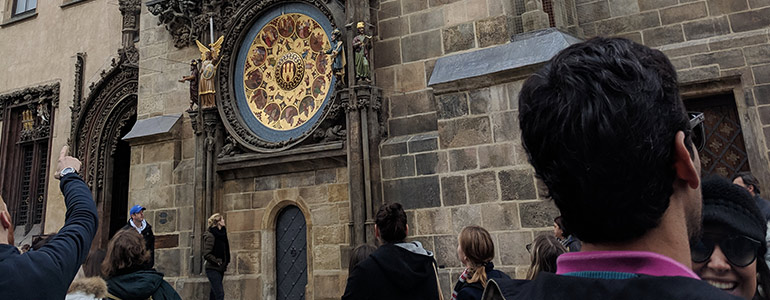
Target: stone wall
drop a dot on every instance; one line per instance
(707, 41)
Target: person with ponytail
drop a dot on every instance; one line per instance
(397, 269)
(476, 251)
(544, 251)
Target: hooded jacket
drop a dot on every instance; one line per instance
(140, 285)
(394, 271)
(564, 287)
(46, 273)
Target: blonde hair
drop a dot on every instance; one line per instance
(478, 247)
(214, 219)
(545, 249)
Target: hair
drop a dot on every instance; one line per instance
(748, 180)
(125, 252)
(763, 278)
(359, 254)
(391, 222)
(598, 123)
(92, 266)
(560, 221)
(544, 252)
(214, 219)
(478, 247)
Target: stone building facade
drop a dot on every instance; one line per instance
(436, 129)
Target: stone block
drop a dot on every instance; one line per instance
(386, 79)
(446, 250)
(655, 4)
(394, 146)
(136, 155)
(431, 163)
(325, 215)
(417, 192)
(634, 36)
(723, 7)
(493, 31)
(423, 142)
(759, 3)
(514, 246)
(758, 54)
(267, 183)
(165, 241)
(391, 28)
(399, 166)
(591, 12)
(339, 192)
(684, 12)
(736, 40)
(706, 28)
(237, 201)
(412, 103)
(434, 3)
(496, 155)
(481, 102)
(762, 93)
(250, 241)
(413, 124)
(433, 221)
(421, 46)
(329, 234)
(463, 159)
(663, 35)
(513, 89)
(324, 176)
(465, 215)
(623, 7)
(429, 66)
(750, 20)
(464, 132)
(184, 172)
(185, 220)
(725, 59)
(411, 6)
(538, 214)
(495, 7)
(764, 114)
(389, 9)
(152, 174)
(698, 74)
(506, 126)
(484, 187)
(452, 105)
(458, 38)
(298, 179)
(244, 220)
(326, 257)
(766, 130)
(248, 262)
(329, 286)
(314, 194)
(159, 152)
(160, 197)
(342, 175)
(453, 190)
(261, 199)
(476, 9)
(387, 53)
(628, 23)
(681, 63)
(500, 216)
(169, 261)
(409, 77)
(426, 20)
(686, 48)
(517, 185)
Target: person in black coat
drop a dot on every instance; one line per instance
(138, 223)
(397, 269)
(476, 251)
(216, 251)
(46, 273)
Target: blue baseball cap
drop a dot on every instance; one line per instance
(136, 209)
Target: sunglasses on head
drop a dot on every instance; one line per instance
(698, 131)
(739, 250)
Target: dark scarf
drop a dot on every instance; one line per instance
(221, 244)
(466, 275)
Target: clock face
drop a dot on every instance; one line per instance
(284, 77)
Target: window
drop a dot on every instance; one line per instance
(22, 6)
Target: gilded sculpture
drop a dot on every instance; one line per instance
(207, 70)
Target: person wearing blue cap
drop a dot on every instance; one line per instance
(138, 223)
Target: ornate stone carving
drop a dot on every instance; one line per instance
(80, 60)
(188, 20)
(230, 148)
(32, 96)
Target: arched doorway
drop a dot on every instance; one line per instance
(98, 125)
(291, 253)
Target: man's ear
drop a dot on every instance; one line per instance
(5, 219)
(750, 188)
(407, 229)
(683, 163)
(376, 232)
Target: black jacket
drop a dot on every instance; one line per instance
(216, 249)
(562, 287)
(393, 272)
(149, 241)
(473, 291)
(140, 285)
(46, 273)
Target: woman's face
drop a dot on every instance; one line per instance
(557, 231)
(719, 272)
(461, 254)
(221, 222)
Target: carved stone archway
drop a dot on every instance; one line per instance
(97, 127)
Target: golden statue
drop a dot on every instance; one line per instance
(207, 69)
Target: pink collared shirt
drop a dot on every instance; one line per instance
(636, 262)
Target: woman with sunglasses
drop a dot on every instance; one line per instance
(733, 230)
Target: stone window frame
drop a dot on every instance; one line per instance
(268, 261)
(10, 17)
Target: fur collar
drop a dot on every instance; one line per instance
(91, 285)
